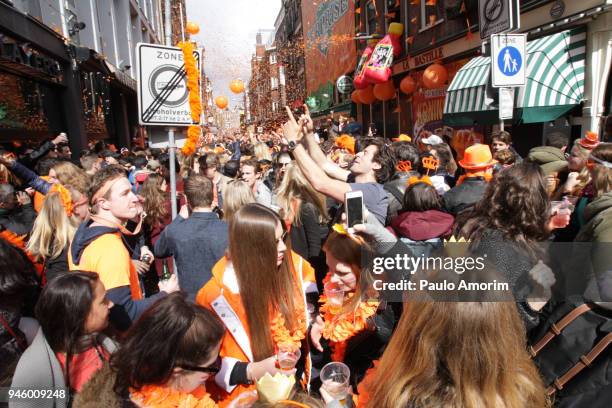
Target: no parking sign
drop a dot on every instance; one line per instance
(508, 62)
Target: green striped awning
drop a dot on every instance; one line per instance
(554, 86)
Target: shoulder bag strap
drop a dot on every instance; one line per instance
(20, 342)
(585, 361)
(556, 328)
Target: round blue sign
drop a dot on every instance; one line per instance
(509, 61)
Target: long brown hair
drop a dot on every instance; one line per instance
(296, 188)
(155, 200)
(601, 175)
(264, 287)
(458, 355)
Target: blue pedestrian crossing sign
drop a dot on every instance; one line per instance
(508, 60)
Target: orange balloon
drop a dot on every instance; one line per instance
(408, 85)
(192, 28)
(355, 96)
(366, 95)
(221, 102)
(237, 86)
(384, 91)
(435, 76)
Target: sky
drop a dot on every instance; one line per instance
(227, 32)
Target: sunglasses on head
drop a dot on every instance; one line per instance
(214, 368)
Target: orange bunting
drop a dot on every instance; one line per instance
(358, 10)
(415, 2)
(156, 396)
(195, 104)
(430, 3)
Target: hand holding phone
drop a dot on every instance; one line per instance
(353, 204)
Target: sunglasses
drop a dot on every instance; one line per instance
(214, 368)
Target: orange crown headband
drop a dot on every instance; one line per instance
(404, 165)
(416, 180)
(339, 228)
(430, 163)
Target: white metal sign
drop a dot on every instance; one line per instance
(163, 96)
(508, 59)
(506, 103)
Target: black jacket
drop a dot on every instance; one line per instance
(464, 195)
(20, 220)
(396, 189)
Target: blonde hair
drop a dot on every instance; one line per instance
(53, 229)
(458, 355)
(262, 152)
(295, 188)
(237, 194)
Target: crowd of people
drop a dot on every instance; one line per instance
(106, 296)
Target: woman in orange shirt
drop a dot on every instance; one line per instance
(259, 293)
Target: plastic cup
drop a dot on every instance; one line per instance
(335, 379)
(335, 297)
(287, 357)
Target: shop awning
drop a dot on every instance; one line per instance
(555, 83)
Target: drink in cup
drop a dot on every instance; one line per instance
(561, 212)
(335, 379)
(288, 357)
(335, 297)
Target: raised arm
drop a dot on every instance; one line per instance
(317, 155)
(316, 176)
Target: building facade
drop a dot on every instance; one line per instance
(264, 91)
(91, 93)
(447, 32)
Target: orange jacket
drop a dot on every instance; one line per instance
(221, 295)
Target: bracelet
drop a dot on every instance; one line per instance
(249, 375)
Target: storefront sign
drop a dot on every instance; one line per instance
(557, 9)
(428, 57)
(344, 84)
(24, 55)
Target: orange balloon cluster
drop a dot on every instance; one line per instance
(435, 76)
(221, 102)
(355, 96)
(192, 28)
(237, 86)
(384, 91)
(367, 96)
(408, 85)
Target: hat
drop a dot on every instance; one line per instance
(589, 140)
(551, 159)
(402, 138)
(153, 165)
(432, 140)
(346, 142)
(477, 156)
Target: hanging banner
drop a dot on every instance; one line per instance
(329, 48)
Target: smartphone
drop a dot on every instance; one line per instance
(353, 204)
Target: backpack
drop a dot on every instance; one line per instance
(572, 349)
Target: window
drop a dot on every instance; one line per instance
(275, 106)
(371, 17)
(274, 83)
(431, 14)
(273, 58)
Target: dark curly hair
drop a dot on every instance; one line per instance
(383, 156)
(515, 203)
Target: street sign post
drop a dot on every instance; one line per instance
(163, 96)
(506, 103)
(508, 60)
(498, 16)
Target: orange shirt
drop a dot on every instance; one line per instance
(110, 259)
(83, 365)
(235, 345)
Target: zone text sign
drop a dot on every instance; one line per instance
(163, 96)
(508, 60)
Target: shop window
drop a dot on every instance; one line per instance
(371, 17)
(432, 14)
